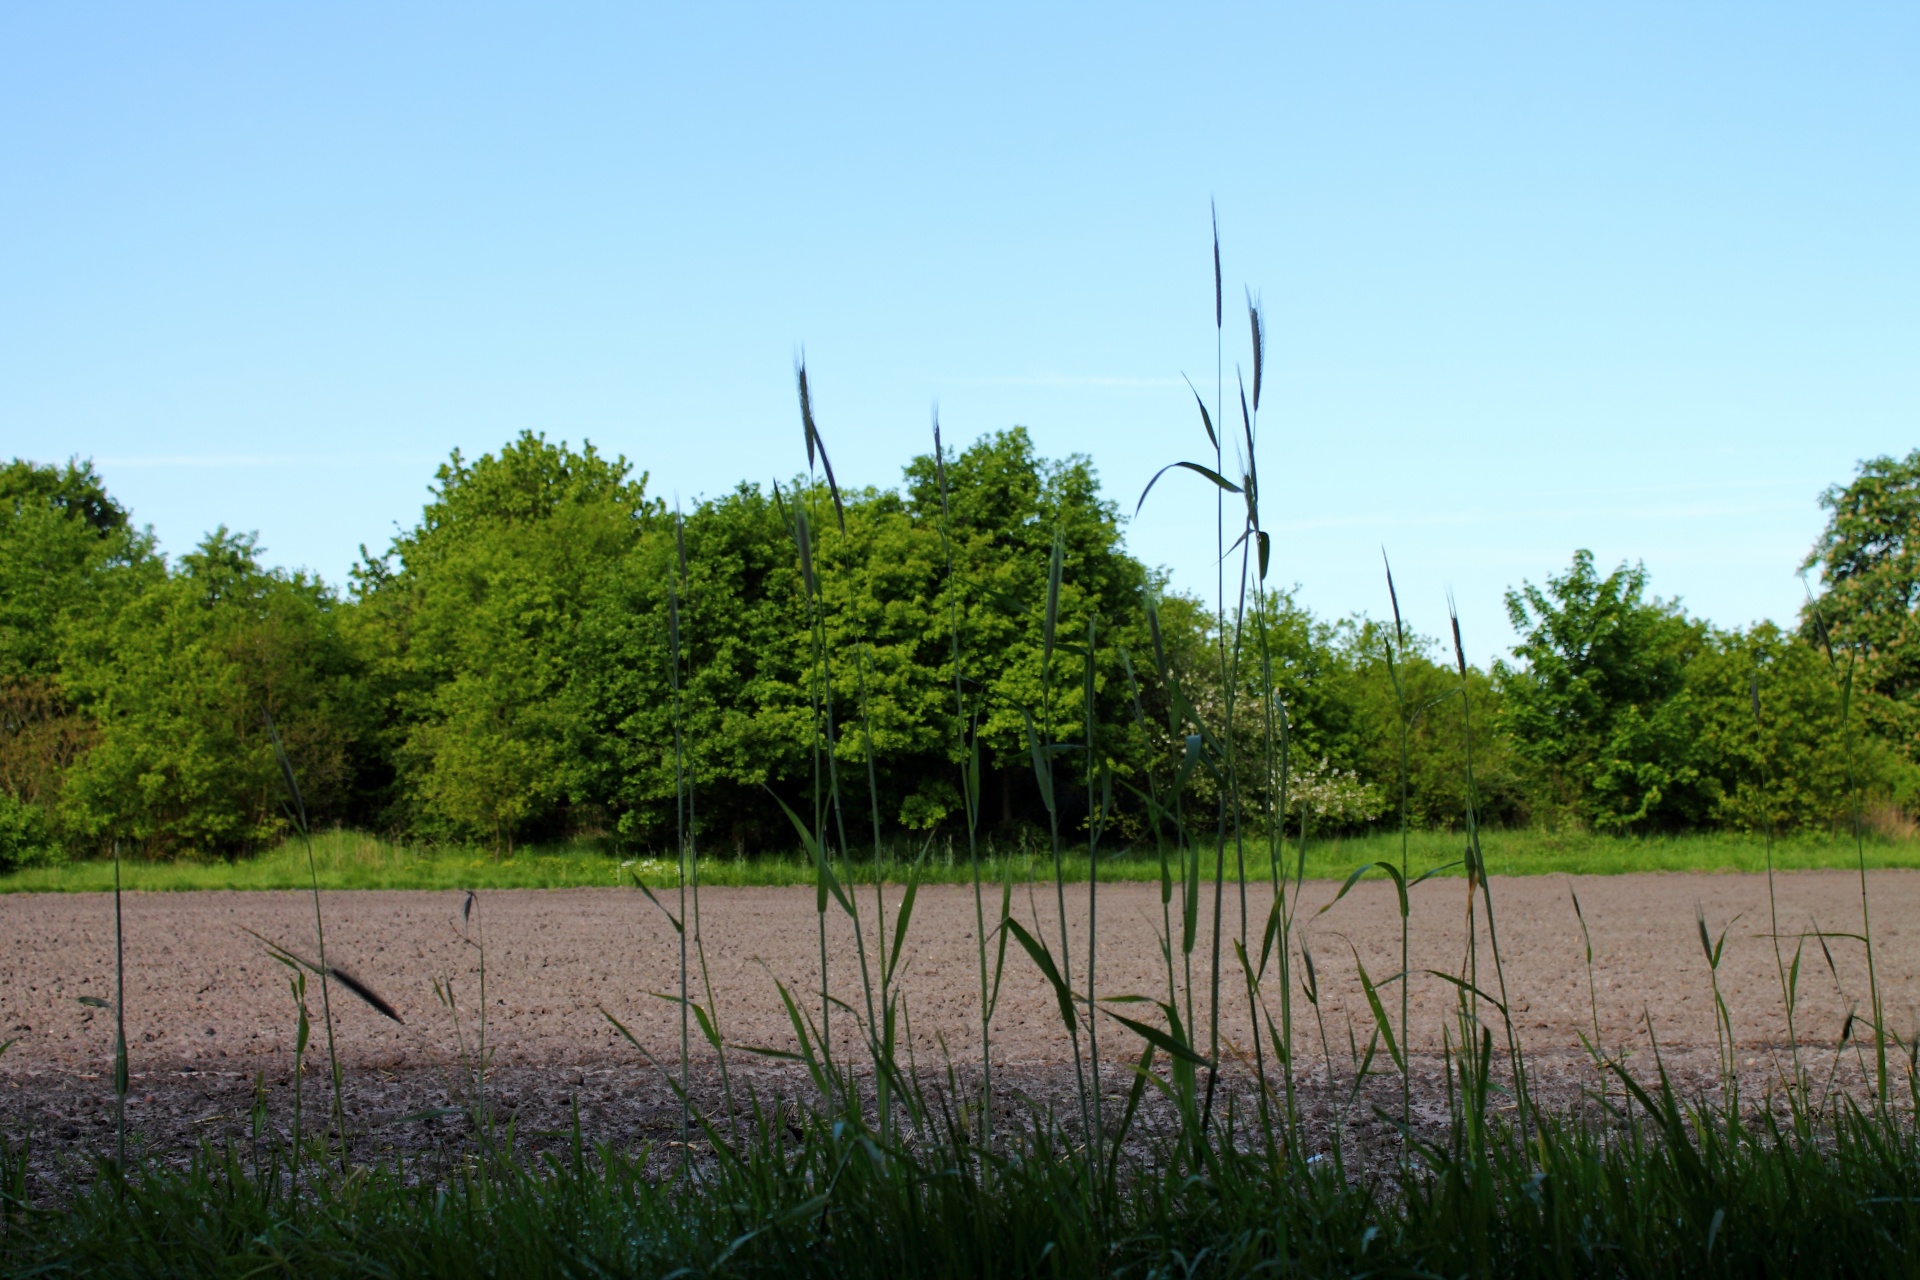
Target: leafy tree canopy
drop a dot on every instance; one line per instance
(521, 664)
(1868, 559)
(1596, 704)
(59, 533)
(177, 680)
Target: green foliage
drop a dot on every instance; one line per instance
(1768, 718)
(1367, 730)
(1868, 559)
(887, 606)
(67, 555)
(175, 678)
(59, 532)
(1635, 717)
(26, 837)
(1343, 722)
(471, 618)
(1598, 707)
(743, 631)
(501, 673)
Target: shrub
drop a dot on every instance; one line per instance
(26, 837)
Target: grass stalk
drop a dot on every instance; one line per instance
(120, 1075)
(1096, 820)
(682, 842)
(1845, 679)
(1405, 716)
(1477, 875)
(969, 794)
(683, 773)
(1787, 987)
(1044, 749)
(297, 809)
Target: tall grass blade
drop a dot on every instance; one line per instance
(120, 1075)
(1200, 469)
(319, 937)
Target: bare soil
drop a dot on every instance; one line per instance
(210, 1020)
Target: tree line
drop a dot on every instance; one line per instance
(514, 668)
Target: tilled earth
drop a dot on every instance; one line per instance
(211, 1021)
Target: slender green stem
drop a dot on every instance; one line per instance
(682, 849)
(326, 1003)
(1096, 815)
(1866, 915)
(1773, 901)
(120, 1080)
(969, 791)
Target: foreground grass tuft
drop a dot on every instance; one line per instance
(1675, 1192)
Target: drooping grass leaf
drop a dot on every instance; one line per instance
(298, 963)
(1042, 764)
(1468, 987)
(825, 881)
(1000, 928)
(366, 993)
(1170, 1044)
(707, 1029)
(1195, 467)
(803, 539)
(905, 914)
(1268, 935)
(1142, 1073)
(1380, 1021)
(641, 885)
(1043, 959)
(1206, 418)
(1393, 873)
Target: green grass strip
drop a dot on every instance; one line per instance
(352, 860)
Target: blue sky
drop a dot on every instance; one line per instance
(1634, 278)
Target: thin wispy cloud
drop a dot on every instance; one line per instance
(1538, 515)
(1067, 380)
(242, 460)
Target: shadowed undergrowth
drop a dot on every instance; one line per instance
(1679, 1191)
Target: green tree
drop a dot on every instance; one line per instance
(1769, 716)
(1006, 506)
(67, 553)
(1358, 729)
(473, 615)
(1599, 704)
(743, 630)
(176, 679)
(58, 530)
(1868, 559)
(888, 606)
